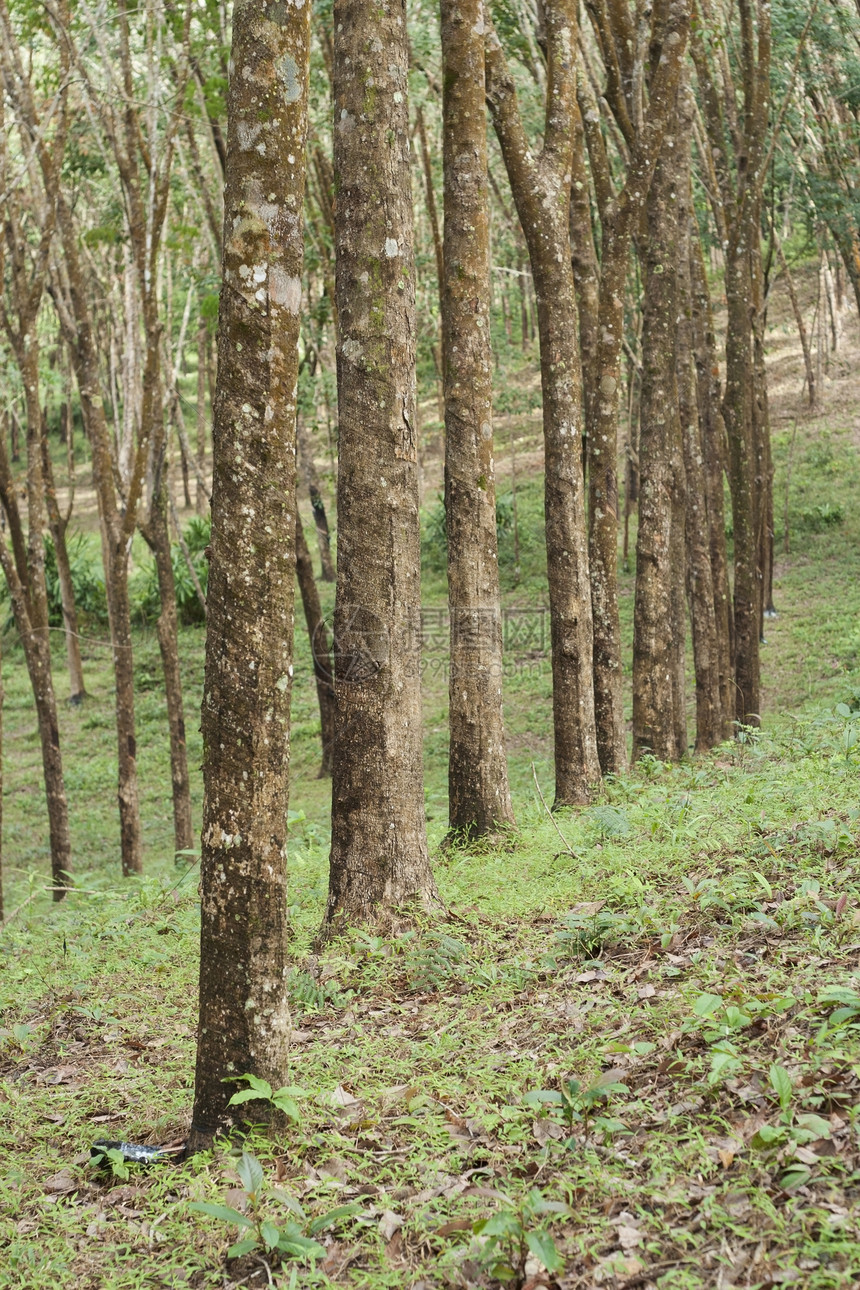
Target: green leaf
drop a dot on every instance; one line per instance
(814, 1124)
(333, 1217)
(224, 1212)
(245, 1246)
(768, 1137)
(301, 1247)
(706, 1005)
(505, 1223)
(541, 1096)
(270, 1234)
(260, 1087)
(247, 1095)
(794, 1178)
(250, 1171)
(542, 1247)
(780, 1082)
(286, 1105)
(290, 1201)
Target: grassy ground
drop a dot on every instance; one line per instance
(629, 1055)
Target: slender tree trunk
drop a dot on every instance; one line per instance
(738, 415)
(699, 577)
(379, 851)
(479, 800)
(798, 318)
(658, 636)
(244, 1014)
(308, 469)
(541, 191)
(320, 651)
(201, 498)
(713, 432)
(2, 696)
(156, 534)
(58, 527)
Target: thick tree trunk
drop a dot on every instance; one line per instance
(658, 626)
(320, 651)
(713, 433)
(541, 191)
(379, 851)
(244, 1015)
(479, 800)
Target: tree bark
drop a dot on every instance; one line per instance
(699, 573)
(307, 467)
(320, 651)
(156, 534)
(201, 497)
(643, 130)
(58, 525)
(244, 1014)
(479, 799)
(714, 448)
(541, 191)
(379, 854)
(658, 635)
(116, 528)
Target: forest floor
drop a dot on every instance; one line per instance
(628, 1057)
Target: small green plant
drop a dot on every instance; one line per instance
(516, 1231)
(260, 1090)
(433, 961)
(786, 1143)
(607, 822)
(576, 1104)
(266, 1229)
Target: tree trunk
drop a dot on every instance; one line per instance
(2, 696)
(699, 576)
(320, 652)
(308, 469)
(479, 800)
(541, 191)
(658, 635)
(116, 527)
(201, 499)
(379, 847)
(713, 432)
(58, 526)
(738, 415)
(156, 534)
(798, 318)
(244, 1015)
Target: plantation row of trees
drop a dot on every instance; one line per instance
(368, 187)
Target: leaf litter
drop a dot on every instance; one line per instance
(651, 1083)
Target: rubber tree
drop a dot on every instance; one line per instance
(244, 1021)
(379, 857)
(540, 184)
(479, 799)
(641, 105)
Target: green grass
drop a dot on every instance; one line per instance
(690, 932)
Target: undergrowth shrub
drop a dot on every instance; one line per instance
(143, 584)
(88, 580)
